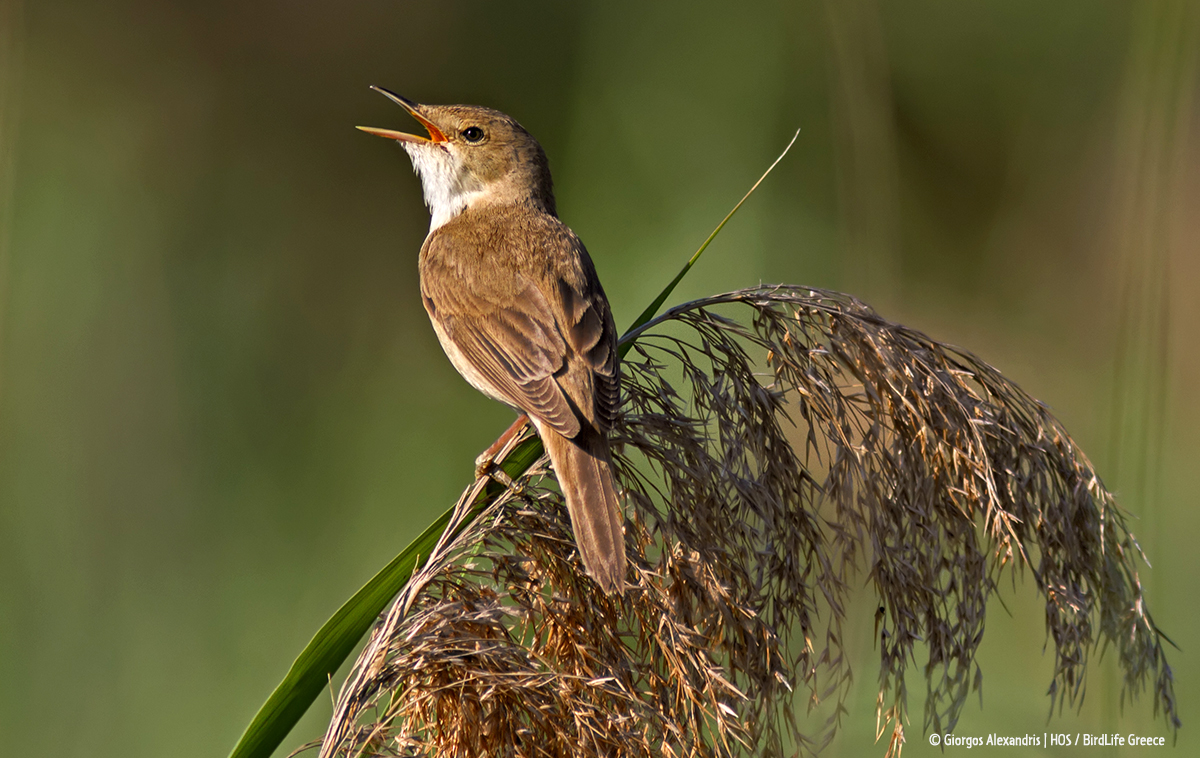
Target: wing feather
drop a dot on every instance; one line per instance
(555, 361)
(592, 334)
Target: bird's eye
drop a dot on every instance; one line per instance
(472, 134)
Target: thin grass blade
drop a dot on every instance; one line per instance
(652, 309)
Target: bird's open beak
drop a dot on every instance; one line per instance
(435, 134)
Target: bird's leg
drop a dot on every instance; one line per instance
(485, 464)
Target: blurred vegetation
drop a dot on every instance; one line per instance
(222, 407)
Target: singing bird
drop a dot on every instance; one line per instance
(517, 306)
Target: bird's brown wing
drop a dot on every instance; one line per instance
(533, 331)
(592, 334)
(502, 337)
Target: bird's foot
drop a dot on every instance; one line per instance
(500, 446)
(486, 466)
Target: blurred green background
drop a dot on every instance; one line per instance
(222, 407)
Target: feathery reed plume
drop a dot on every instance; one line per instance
(764, 463)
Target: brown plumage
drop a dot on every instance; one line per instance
(517, 306)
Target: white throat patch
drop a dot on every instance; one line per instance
(448, 191)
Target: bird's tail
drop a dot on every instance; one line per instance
(584, 471)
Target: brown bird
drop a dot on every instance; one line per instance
(516, 303)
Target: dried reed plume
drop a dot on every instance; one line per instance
(764, 464)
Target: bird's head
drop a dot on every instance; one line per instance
(472, 156)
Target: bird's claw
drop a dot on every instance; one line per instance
(486, 466)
